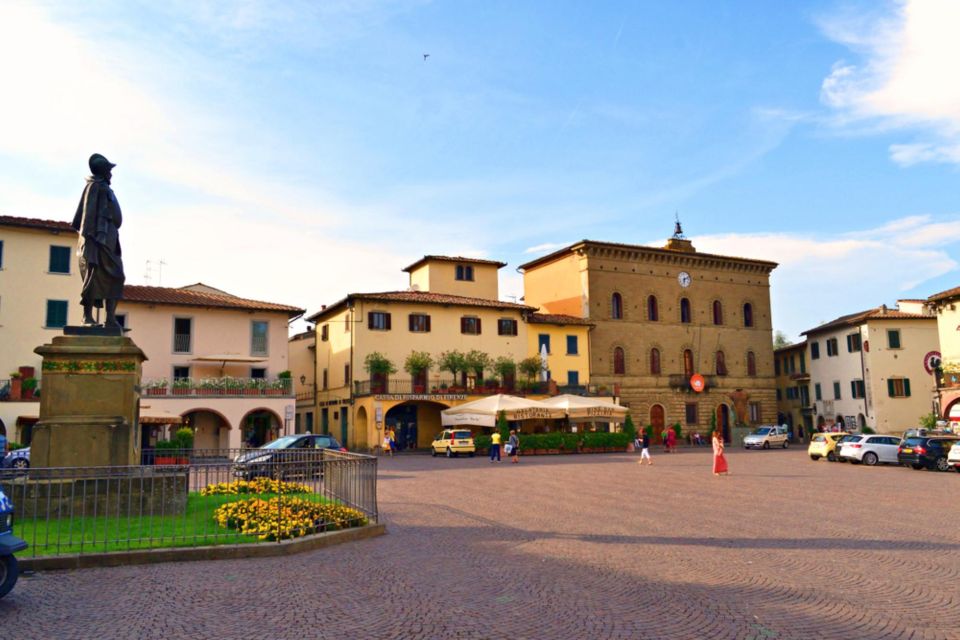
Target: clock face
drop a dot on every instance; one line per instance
(683, 278)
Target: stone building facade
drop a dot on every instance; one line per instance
(662, 315)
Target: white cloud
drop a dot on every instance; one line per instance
(546, 247)
(907, 78)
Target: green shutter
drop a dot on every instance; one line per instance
(906, 387)
(890, 388)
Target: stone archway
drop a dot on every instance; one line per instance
(658, 420)
(260, 426)
(211, 429)
(361, 439)
(416, 423)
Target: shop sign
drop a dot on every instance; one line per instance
(604, 412)
(532, 413)
(431, 397)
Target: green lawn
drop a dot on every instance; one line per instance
(105, 533)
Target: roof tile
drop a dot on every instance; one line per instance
(184, 297)
(35, 223)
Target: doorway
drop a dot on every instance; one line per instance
(403, 420)
(723, 421)
(658, 421)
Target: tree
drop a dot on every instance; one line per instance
(418, 362)
(378, 364)
(477, 362)
(530, 367)
(629, 428)
(505, 368)
(503, 426)
(929, 421)
(780, 340)
(454, 362)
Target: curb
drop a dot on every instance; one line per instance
(186, 554)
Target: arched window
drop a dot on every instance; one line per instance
(653, 313)
(721, 364)
(655, 362)
(616, 307)
(684, 310)
(747, 314)
(717, 312)
(688, 362)
(751, 364)
(619, 362)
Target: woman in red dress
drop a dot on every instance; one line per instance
(719, 462)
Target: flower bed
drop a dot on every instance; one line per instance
(257, 485)
(283, 518)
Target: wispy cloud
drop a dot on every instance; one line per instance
(545, 247)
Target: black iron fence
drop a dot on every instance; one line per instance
(191, 498)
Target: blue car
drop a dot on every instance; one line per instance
(18, 460)
(9, 545)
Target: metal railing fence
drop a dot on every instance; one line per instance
(227, 386)
(191, 498)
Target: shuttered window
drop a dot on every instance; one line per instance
(898, 387)
(506, 327)
(419, 323)
(893, 338)
(56, 314)
(470, 325)
(378, 321)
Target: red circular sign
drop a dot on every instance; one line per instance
(931, 361)
(697, 383)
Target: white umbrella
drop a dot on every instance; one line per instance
(583, 409)
(484, 412)
(544, 369)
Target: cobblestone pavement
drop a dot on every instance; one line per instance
(568, 547)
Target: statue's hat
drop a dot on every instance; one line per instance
(98, 164)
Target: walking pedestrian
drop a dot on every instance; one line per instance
(645, 449)
(495, 446)
(393, 440)
(663, 440)
(671, 440)
(719, 461)
(387, 449)
(514, 444)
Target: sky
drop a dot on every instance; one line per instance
(298, 151)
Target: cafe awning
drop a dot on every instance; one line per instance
(148, 415)
(585, 409)
(224, 358)
(484, 412)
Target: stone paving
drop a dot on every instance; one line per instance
(590, 546)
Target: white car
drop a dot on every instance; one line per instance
(766, 437)
(871, 449)
(954, 457)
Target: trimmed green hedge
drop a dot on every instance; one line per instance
(565, 441)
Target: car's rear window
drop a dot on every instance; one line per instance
(851, 438)
(819, 438)
(462, 435)
(913, 442)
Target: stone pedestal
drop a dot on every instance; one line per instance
(89, 408)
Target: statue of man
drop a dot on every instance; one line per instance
(98, 247)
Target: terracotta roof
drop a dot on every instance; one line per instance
(556, 318)
(420, 297)
(34, 223)
(419, 262)
(188, 298)
(878, 313)
(639, 247)
(843, 321)
(789, 347)
(945, 295)
(303, 335)
(896, 314)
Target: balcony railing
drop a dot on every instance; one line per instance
(681, 381)
(181, 343)
(217, 387)
(15, 391)
(438, 386)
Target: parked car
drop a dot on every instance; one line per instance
(18, 459)
(766, 437)
(842, 442)
(824, 445)
(927, 452)
(871, 449)
(453, 442)
(9, 545)
(279, 457)
(954, 457)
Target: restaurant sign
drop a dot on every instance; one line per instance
(600, 412)
(531, 413)
(431, 397)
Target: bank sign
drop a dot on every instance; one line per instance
(427, 397)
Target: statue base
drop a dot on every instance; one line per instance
(97, 330)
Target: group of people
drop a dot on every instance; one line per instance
(512, 448)
(642, 442)
(389, 441)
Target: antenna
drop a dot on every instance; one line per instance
(147, 276)
(160, 276)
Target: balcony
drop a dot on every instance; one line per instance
(946, 380)
(438, 386)
(19, 390)
(181, 343)
(227, 387)
(681, 382)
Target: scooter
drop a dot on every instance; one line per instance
(9, 545)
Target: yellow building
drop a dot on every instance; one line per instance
(662, 315)
(451, 305)
(946, 306)
(793, 389)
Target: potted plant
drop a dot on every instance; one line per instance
(276, 388)
(417, 364)
(157, 387)
(183, 439)
(477, 362)
(165, 452)
(181, 387)
(631, 432)
(16, 388)
(29, 385)
(253, 387)
(454, 362)
(285, 380)
(506, 370)
(379, 367)
(530, 369)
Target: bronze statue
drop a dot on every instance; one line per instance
(98, 247)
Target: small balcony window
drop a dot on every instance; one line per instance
(258, 342)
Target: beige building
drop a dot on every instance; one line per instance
(946, 306)
(662, 315)
(451, 304)
(39, 294)
(873, 368)
(793, 389)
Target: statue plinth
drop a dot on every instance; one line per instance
(90, 404)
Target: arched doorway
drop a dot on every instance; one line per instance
(360, 436)
(259, 427)
(211, 429)
(416, 423)
(838, 422)
(723, 421)
(657, 419)
(861, 421)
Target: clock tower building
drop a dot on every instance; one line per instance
(663, 315)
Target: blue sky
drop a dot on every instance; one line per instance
(297, 151)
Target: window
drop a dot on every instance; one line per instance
(616, 307)
(747, 314)
(814, 350)
(836, 390)
(543, 340)
(1, 254)
(258, 343)
(653, 313)
(691, 413)
(751, 364)
(419, 323)
(346, 374)
(59, 259)
(803, 363)
(717, 312)
(573, 378)
(464, 272)
(898, 387)
(324, 380)
(688, 362)
(793, 364)
(378, 321)
(816, 391)
(721, 364)
(56, 314)
(470, 325)
(832, 349)
(122, 320)
(182, 335)
(776, 366)
(325, 332)
(755, 414)
(619, 362)
(573, 347)
(506, 327)
(857, 389)
(258, 373)
(684, 310)
(655, 362)
(893, 338)
(309, 421)
(180, 373)
(853, 342)
(778, 394)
